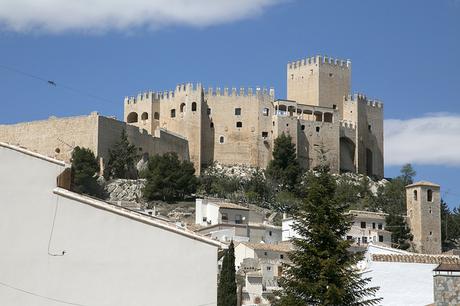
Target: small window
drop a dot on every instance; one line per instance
(182, 107)
(302, 127)
(363, 224)
(238, 219)
(237, 111)
(349, 238)
(331, 75)
(57, 150)
(429, 195)
(431, 233)
(373, 225)
(224, 217)
(334, 106)
(364, 239)
(380, 238)
(380, 226)
(145, 116)
(287, 124)
(265, 253)
(173, 113)
(273, 123)
(209, 111)
(269, 233)
(431, 211)
(269, 268)
(239, 124)
(317, 129)
(193, 106)
(264, 134)
(221, 139)
(369, 127)
(266, 111)
(281, 256)
(415, 195)
(211, 125)
(205, 219)
(156, 116)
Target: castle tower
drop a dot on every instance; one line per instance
(424, 216)
(319, 80)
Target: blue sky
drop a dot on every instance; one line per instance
(403, 52)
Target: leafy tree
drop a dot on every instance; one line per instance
(407, 174)
(84, 172)
(226, 290)
(450, 226)
(284, 167)
(400, 232)
(168, 178)
(122, 159)
(323, 270)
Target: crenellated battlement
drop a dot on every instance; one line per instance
(358, 97)
(241, 92)
(151, 96)
(348, 124)
(320, 60)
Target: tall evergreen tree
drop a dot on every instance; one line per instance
(284, 167)
(122, 159)
(400, 232)
(168, 178)
(407, 174)
(322, 269)
(226, 290)
(84, 172)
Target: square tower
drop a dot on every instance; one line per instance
(319, 81)
(424, 216)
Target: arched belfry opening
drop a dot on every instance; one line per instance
(132, 117)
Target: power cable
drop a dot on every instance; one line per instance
(52, 230)
(39, 295)
(55, 84)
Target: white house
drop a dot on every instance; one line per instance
(61, 248)
(214, 211)
(404, 278)
(366, 227)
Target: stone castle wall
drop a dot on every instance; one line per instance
(56, 137)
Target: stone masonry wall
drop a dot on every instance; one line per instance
(446, 290)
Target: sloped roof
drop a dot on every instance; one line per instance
(33, 154)
(448, 267)
(423, 183)
(285, 246)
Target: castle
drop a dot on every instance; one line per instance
(239, 126)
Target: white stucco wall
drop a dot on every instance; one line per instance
(110, 259)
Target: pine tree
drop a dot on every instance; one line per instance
(400, 232)
(226, 290)
(122, 158)
(407, 174)
(84, 170)
(284, 167)
(322, 269)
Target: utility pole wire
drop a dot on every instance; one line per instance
(54, 83)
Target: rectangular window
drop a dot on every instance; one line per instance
(281, 256)
(363, 224)
(269, 268)
(373, 225)
(237, 111)
(264, 134)
(239, 124)
(205, 219)
(380, 226)
(349, 238)
(266, 111)
(380, 238)
(173, 113)
(224, 217)
(209, 111)
(364, 239)
(238, 219)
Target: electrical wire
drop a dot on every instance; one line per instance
(39, 295)
(52, 230)
(55, 84)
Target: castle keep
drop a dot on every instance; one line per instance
(239, 126)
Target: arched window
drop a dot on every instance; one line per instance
(173, 113)
(221, 139)
(415, 195)
(182, 107)
(211, 125)
(194, 107)
(145, 116)
(156, 116)
(132, 118)
(429, 195)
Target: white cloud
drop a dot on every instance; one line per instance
(103, 15)
(430, 140)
